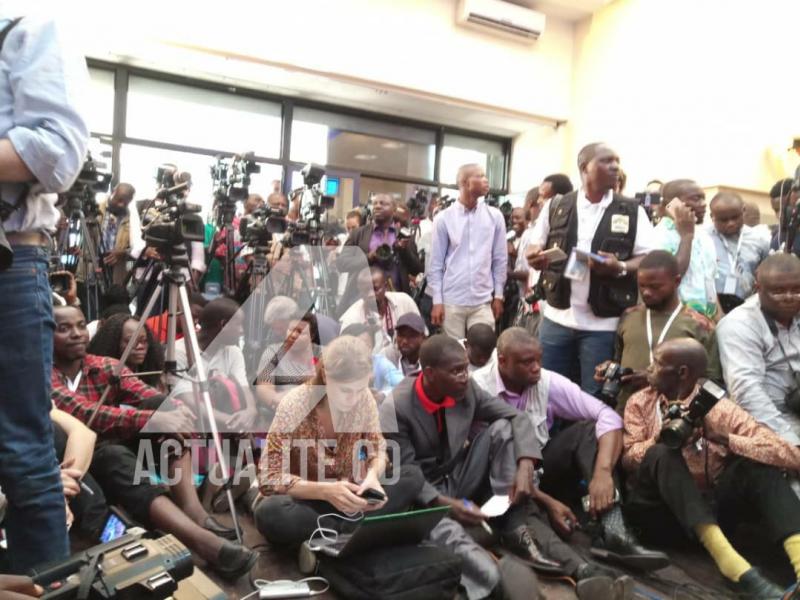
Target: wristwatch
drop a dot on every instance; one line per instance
(624, 270)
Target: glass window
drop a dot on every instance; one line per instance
(362, 144)
(100, 102)
(139, 165)
(189, 116)
(460, 150)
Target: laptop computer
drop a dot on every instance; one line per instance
(395, 529)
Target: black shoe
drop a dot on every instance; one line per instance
(618, 544)
(218, 529)
(596, 583)
(793, 593)
(233, 561)
(754, 586)
(520, 542)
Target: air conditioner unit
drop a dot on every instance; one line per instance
(501, 18)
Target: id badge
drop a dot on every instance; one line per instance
(730, 286)
(576, 269)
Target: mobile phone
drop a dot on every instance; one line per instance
(373, 496)
(585, 500)
(554, 254)
(585, 256)
(114, 528)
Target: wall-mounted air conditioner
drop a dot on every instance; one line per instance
(501, 18)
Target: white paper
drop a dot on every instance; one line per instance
(496, 506)
(730, 285)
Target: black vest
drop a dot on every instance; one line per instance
(616, 234)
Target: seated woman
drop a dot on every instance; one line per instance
(325, 448)
(385, 375)
(147, 357)
(289, 363)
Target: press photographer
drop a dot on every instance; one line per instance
(385, 246)
(685, 442)
(43, 142)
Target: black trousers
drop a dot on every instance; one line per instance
(568, 458)
(665, 499)
(284, 521)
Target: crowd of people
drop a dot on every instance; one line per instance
(633, 373)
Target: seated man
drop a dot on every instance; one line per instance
(409, 333)
(683, 208)
(729, 457)
(78, 380)
(479, 344)
(430, 418)
(390, 306)
(342, 421)
(759, 345)
(587, 450)
(661, 316)
(739, 249)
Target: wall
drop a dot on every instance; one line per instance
(705, 89)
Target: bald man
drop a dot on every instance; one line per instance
(587, 450)
(683, 206)
(739, 250)
(729, 457)
(583, 310)
(404, 260)
(759, 345)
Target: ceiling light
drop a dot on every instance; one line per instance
(392, 145)
(365, 156)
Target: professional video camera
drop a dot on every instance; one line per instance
(418, 205)
(504, 207)
(612, 382)
(648, 201)
(309, 229)
(176, 220)
(231, 181)
(258, 227)
(131, 567)
(682, 420)
(92, 179)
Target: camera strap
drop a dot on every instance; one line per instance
(664, 331)
(773, 329)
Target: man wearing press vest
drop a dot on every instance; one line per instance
(588, 245)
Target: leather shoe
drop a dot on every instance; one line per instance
(793, 593)
(520, 542)
(753, 585)
(233, 561)
(218, 529)
(618, 544)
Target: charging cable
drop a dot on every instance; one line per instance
(328, 534)
(264, 584)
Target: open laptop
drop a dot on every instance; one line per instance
(395, 529)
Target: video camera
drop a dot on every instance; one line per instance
(176, 220)
(231, 183)
(648, 201)
(258, 227)
(309, 229)
(93, 179)
(504, 207)
(418, 205)
(682, 420)
(131, 567)
(612, 382)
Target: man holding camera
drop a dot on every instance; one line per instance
(661, 316)
(604, 237)
(469, 257)
(683, 440)
(43, 141)
(384, 246)
(759, 345)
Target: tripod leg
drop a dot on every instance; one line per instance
(193, 349)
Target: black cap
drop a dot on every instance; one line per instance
(412, 320)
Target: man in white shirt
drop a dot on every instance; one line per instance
(582, 311)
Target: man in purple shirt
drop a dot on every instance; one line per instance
(469, 258)
(587, 450)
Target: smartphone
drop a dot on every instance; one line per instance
(114, 528)
(373, 496)
(585, 500)
(554, 254)
(585, 256)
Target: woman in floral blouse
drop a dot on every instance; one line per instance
(325, 448)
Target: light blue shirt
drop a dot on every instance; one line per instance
(41, 83)
(469, 255)
(745, 254)
(385, 374)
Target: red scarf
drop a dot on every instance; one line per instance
(431, 407)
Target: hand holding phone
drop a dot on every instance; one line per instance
(373, 496)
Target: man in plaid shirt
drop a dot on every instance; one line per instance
(78, 381)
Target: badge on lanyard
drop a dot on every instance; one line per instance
(730, 285)
(620, 223)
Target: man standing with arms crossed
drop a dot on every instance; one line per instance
(43, 143)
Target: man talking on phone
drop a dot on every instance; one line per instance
(604, 236)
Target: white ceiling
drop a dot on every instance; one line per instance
(570, 10)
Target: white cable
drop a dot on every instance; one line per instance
(325, 532)
(262, 583)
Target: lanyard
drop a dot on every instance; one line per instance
(732, 258)
(663, 334)
(72, 384)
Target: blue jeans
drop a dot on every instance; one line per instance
(562, 345)
(29, 472)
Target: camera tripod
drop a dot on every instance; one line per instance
(175, 262)
(87, 261)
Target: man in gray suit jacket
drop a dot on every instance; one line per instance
(430, 417)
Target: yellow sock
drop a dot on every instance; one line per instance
(792, 547)
(729, 561)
